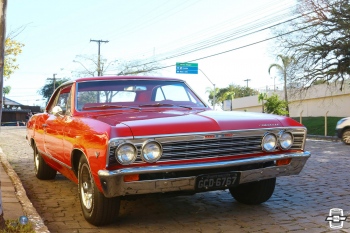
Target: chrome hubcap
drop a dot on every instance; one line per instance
(36, 161)
(86, 190)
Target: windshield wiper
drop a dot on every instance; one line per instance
(156, 105)
(109, 106)
(164, 105)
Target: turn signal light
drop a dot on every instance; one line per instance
(282, 162)
(130, 178)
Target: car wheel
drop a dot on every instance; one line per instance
(254, 193)
(42, 170)
(97, 209)
(346, 137)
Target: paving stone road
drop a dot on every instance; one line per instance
(299, 204)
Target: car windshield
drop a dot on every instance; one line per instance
(134, 94)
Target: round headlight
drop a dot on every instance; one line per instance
(286, 140)
(151, 152)
(126, 154)
(269, 142)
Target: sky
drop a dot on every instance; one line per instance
(224, 35)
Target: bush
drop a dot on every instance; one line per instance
(15, 226)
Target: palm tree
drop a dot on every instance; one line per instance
(262, 97)
(230, 94)
(212, 92)
(286, 63)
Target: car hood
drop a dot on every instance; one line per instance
(178, 122)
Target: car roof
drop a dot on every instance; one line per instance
(125, 78)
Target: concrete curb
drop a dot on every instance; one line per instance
(320, 137)
(21, 194)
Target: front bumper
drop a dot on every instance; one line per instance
(113, 181)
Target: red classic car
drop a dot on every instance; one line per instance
(119, 137)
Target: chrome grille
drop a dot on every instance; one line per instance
(211, 148)
(201, 147)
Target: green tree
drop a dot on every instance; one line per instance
(230, 93)
(283, 70)
(211, 92)
(261, 98)
(6, 91)
(276, 106)
(47, 90)
(12, 49)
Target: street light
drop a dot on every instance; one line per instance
(214, 98)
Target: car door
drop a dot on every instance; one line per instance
(54, 131)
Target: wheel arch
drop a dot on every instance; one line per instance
(345, 128)
(75, 158)
(32, 143)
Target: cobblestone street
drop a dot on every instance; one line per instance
(299, 204)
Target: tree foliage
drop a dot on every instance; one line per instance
(211, 93)
(261, 98)
(12, 49)
(276, 106)
(229, 93)
(321, 43)
(6, 90)
(47, 90)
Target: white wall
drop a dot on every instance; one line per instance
(319, 100)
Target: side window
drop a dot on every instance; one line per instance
(63, 100)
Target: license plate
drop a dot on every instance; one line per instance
(217, 181)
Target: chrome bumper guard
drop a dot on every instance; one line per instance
(113, 181)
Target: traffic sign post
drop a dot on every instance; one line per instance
(186, 68)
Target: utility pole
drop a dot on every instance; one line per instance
(214, 98)
(99, 59)
(247, 80)
(274, 84)
(54, 82)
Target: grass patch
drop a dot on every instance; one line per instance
(15, 226)
(316, 125)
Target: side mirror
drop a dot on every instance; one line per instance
(57, 111)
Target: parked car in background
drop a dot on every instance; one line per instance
(121, 137)
(343, 130)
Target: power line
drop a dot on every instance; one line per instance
(216, 54)
(230, 50)
(255, 13)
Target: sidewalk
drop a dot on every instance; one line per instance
(15, 202)
(11, 205)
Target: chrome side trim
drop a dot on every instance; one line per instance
(54, 159)
(113, 184)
